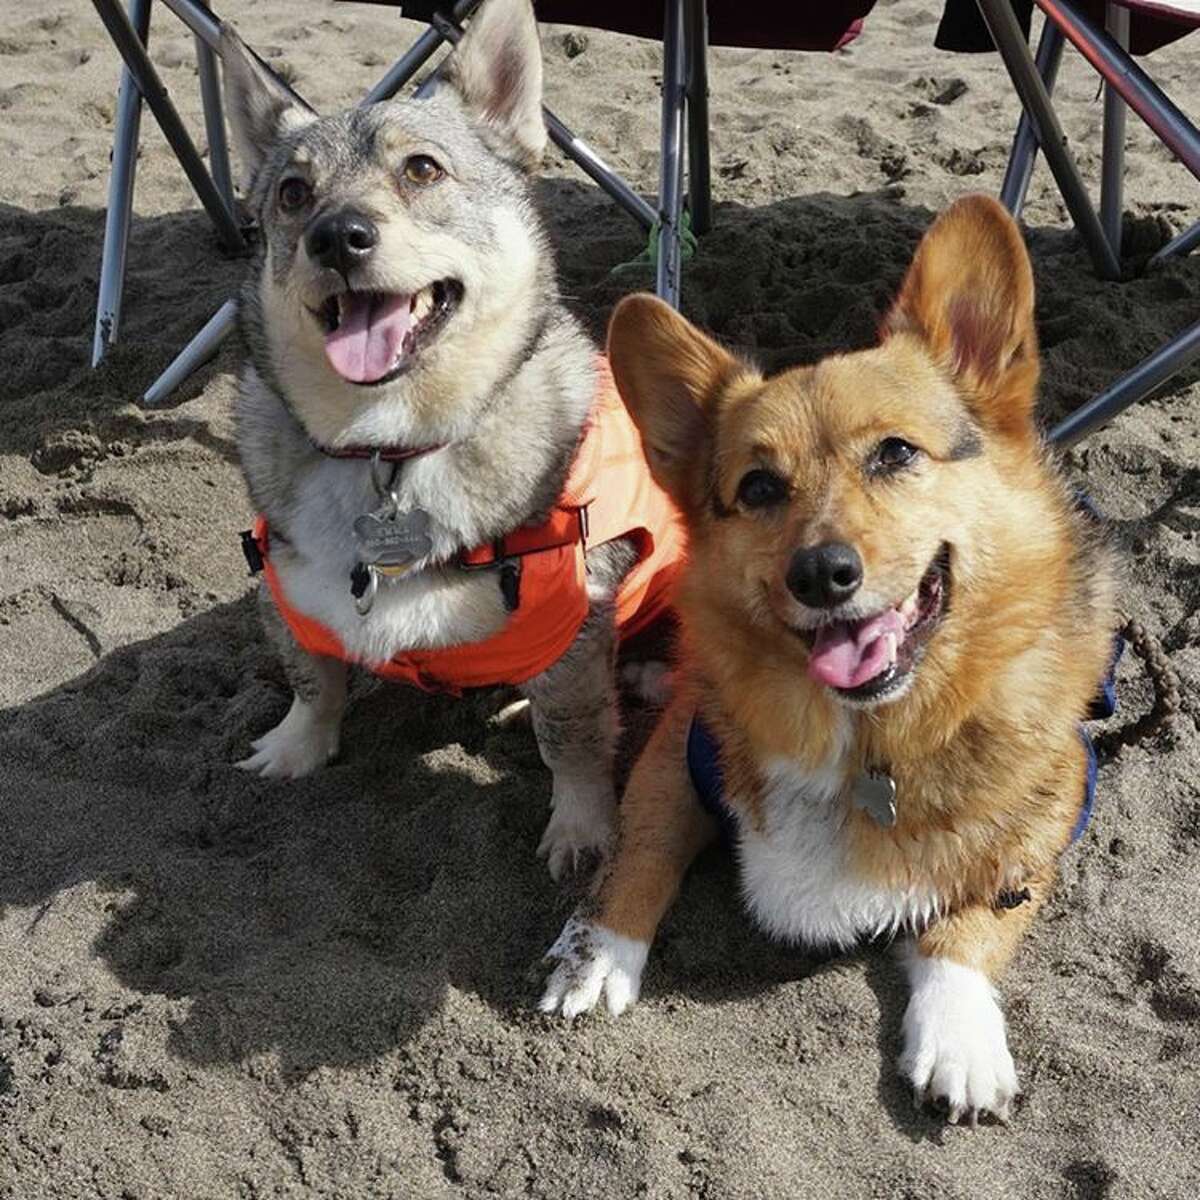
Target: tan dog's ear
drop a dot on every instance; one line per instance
(669, 374)
(969, 296)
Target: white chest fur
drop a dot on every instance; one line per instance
(426, 609)
(796, 874)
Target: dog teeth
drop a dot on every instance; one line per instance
(422, 304)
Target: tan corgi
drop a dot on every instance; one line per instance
(893, 620)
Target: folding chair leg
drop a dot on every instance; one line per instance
(199, 18)
(1112, 178)
(1006, 33)
(404, 68)
(120, 198)
(195, 354)
(1180, 245)
(698, 167)
(670, 186)
(421, 51)
(1025, 144)
(214, 122)
(597, 170)
(133, 51)
(1133, 386)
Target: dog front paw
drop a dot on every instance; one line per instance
(955, 1048)
(580, 828)
(589, 959)
(297, 746)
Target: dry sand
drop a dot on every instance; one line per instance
(214, 986)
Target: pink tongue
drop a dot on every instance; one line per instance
(368, 340)
(848, 653)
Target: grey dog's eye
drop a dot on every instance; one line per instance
(294, 194)
(420, 168)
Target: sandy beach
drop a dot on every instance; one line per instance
(213, 985)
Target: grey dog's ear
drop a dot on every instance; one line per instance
(261, 107)
(497, 70)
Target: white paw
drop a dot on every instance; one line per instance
(955, 1048)
(589, 959)
(298, 745)
(580, 827)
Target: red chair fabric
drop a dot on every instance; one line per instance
(1182, 12)
(1151, 25)
(796, 26)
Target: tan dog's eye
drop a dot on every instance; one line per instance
(420, 168)
(762, 489)
(294, 194)
(892, 454)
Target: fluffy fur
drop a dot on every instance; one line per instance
(979, 731)
(506, 385)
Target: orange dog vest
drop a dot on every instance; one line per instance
(609, 494)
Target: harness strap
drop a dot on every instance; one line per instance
(541, 569)
(704, 767)
(563, 527)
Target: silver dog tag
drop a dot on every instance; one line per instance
(387, 538)
(875, 792)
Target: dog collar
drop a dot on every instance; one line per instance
(388, 454)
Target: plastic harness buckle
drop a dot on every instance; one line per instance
(252, 551)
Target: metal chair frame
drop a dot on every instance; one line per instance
(684, 119)
(1125, 85)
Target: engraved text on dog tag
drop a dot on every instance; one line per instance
(392, 539)
(875, 792)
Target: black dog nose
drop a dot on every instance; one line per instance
(825, 575)
(341, 240)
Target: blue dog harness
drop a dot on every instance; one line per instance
(704, 760)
